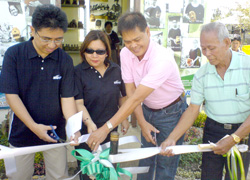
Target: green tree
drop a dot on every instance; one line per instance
(243, 10)
(217, 15)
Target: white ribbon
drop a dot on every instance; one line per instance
(124, 155)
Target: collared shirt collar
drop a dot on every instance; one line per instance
(33, 53)
(233, 64)
(86, 65)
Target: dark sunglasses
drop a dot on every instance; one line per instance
(91, 51)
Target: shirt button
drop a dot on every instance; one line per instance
(95, 71)
(41, 68)
(100, 76)
(42, 61)
(91, 67)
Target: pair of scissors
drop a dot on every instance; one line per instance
(52, 134)
(154, 138)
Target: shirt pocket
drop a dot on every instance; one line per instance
(243, 99)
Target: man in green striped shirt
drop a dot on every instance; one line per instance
(223, 83)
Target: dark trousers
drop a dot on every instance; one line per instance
(84, 130)
(213, 164)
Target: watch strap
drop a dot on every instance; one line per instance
(236, 138)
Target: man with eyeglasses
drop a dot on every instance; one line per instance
(37, 79)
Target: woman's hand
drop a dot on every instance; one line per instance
(75, 139)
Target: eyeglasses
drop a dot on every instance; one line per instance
(91, 51)
(49, 40)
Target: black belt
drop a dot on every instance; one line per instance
(225, 126)
(174, 102)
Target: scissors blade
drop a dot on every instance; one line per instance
(155, 139)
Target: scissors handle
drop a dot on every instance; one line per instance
(52, 133)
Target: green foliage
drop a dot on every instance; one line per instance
(216, 15)
(4, 142)
(200, 121)
(188, 175)
(243, 12)
(39, 164)
(190, 158)
(2, 169)
(39, 161)
(193, 135)
(189, 164)
(38, 157)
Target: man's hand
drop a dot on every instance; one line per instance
(124, 126)
(97, 137)
(42, 132)
(146, 129)
(223, 145)
(166, 143)
(75, 139)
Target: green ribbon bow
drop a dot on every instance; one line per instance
(93, 167)
(233, 171)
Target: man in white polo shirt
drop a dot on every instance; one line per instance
(151, 77)
(223, 83)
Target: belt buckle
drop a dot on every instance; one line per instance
(227, 126)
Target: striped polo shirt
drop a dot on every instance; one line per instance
(228, 100)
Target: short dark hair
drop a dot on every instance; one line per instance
(92, 36)
(131, 20)
(49, 16)
(108, 23)
(236, 37)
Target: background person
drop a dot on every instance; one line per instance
(37, 78)
(115, 49)
(222, 83)
(101, 88)
(236, 43)
(154, 80)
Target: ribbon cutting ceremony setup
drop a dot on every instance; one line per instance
(100, 164)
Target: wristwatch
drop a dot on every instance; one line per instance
(110, 126)
(236, 138)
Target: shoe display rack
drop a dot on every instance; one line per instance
(77, 30)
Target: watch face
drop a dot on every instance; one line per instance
(236, 138)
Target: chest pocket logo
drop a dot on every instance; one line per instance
(117, 82)
(57, 77)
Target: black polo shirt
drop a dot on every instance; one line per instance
(114, 39)
(100, 94)
(40, 83)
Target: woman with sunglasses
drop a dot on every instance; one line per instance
(100, 85)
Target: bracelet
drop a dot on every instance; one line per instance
(110, 126)
(85, 119)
